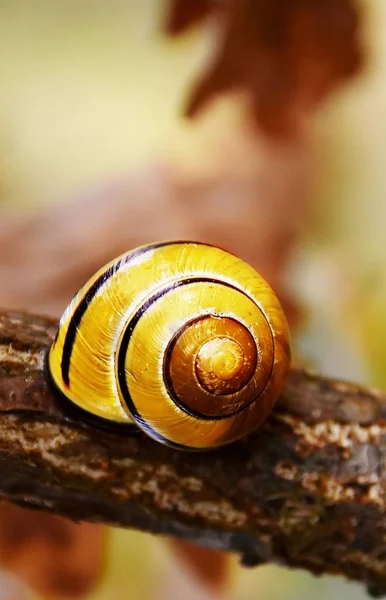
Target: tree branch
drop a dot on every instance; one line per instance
(306, 490)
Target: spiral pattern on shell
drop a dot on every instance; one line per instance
(183, 339)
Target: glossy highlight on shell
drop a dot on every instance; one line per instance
(182, 338)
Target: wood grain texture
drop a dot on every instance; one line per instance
(306, 490)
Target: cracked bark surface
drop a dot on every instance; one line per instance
(306, 490)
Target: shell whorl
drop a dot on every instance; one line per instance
(182, 338)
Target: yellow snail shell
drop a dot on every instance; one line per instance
(182, 338)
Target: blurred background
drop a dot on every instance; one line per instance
(258, 127)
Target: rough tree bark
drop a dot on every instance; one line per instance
(306, 490)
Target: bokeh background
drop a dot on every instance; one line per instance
(96, 156)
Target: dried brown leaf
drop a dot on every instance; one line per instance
(254, 203)
(55, 557)
(184, 14)
(288, 55)
(210, 567)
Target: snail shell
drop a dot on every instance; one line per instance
(181, 338)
